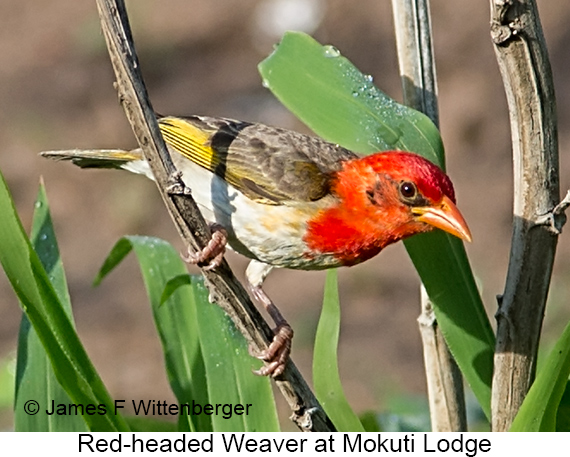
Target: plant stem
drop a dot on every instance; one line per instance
(419, 83)
(523, 60)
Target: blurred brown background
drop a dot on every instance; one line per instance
(200, 57)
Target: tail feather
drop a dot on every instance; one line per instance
(96, 158)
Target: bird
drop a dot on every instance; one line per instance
(289, 200)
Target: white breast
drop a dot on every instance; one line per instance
(272, 234)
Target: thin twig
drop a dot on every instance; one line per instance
(444, 380)
(419, 83)
(225, 290)
(523, 60)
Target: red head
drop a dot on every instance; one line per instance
(383, 198)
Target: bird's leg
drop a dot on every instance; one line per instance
(277, 354)
(212, 255)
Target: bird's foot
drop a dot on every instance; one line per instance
(176, 186)
(277, 354)
(212, 255)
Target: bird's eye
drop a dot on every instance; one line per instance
(408, 190)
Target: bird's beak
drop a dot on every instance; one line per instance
(444, 216)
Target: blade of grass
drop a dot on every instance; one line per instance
(563, 414)
(203, 350)
(326, 378)
(538, 412)
(35, 376)
(7, 383)
(148, 424)
(342, 105)
(38, 299)
(175, 319)
(227, 358)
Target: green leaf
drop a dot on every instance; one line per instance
(329, 94)
(173, 284)
(563, 414)
(369, 421)
(7, 382)
(35, 376)
(539, 410)
(326, 378)
(206, 357)
(342, 105)
(149, 424)
(441, 261)
(174, 316)
(227, 358)
(39, 300)
(406, 414)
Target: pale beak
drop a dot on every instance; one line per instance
(444, 216)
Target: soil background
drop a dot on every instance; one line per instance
(200, 57)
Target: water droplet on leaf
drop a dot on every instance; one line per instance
(330, 51)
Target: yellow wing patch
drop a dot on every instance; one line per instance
(266, 164)
(190, 141)
(194, 143)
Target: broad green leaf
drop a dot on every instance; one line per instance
(326, 378)
(342, 105)
(329, 94)
(539, 410)
(35, 376)
(39, 300)
(207, 359)
(441, 261)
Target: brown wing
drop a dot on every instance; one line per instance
(267, 164)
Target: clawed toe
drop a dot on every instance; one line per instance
(277, 354)
(213, 254)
